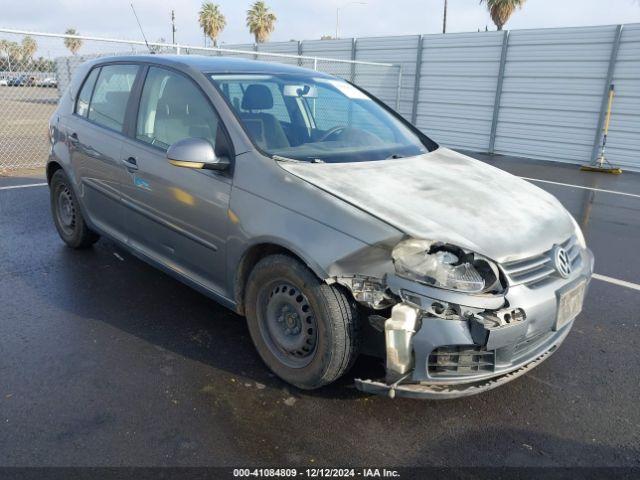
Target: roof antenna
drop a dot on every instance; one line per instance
(140, 26)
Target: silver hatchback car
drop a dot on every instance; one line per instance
(337, 228)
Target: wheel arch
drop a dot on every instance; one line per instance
(52, 167)
(256, 252)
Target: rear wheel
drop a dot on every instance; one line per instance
(304, 330)
(67, 216)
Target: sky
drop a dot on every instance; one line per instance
(301, 19)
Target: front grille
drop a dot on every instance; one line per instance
(460, 360)
(536, 270)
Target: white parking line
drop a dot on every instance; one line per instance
(11, 187)
(603, 278)
(583, 188)
(615, 281)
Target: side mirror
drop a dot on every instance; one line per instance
(195, 153)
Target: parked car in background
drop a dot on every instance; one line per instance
(312, 208)
(3, 82)
(49, 82)
(22, 81)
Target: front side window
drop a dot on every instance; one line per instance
(111, 95)
(172, 108)
(315, 118)
(84, 97)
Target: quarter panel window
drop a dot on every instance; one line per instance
(111, 95)
(84, 97)
(172, 108)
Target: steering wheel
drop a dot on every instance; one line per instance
(334, 132)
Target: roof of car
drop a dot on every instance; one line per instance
(210, 64)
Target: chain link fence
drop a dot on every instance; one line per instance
(36, 68)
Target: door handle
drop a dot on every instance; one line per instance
(73, 138)
(131, 163)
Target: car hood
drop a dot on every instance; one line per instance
(446, 196)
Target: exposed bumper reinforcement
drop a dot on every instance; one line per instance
(443, 392)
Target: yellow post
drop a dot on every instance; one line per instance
(612, 92)
(600, 162)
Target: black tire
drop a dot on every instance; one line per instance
(66, 213)
(331, 338)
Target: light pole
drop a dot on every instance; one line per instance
(338, 14)
(173, 27)
(444, 18)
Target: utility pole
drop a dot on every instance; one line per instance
(444, 18)
(173, 27)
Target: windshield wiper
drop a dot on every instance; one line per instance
(279, 158)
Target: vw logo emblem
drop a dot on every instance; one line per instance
(561, 262)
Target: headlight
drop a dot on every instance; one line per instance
(444, 266)
(578, 232)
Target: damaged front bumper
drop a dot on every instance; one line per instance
(485, 342)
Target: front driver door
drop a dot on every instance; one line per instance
(177, 216)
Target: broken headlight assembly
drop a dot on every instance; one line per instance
(446, 266)
(367, 290)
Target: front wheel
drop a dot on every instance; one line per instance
(67, 216)
(304, 330)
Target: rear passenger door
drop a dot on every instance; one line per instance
(95, 134)
(177, 216)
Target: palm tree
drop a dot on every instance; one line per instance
(212, 21)
(261, 21)
(501, 10)
(29, 47)
(73, 44)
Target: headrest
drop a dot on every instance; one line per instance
(180, 98)
(173, 89)
(257, 97)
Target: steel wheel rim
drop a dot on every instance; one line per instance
(66, 210)
(287, 323)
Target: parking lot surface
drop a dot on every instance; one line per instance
(106, 361)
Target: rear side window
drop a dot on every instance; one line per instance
(111, 94)
(84, 97)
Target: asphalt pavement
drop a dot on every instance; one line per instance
(106, 361)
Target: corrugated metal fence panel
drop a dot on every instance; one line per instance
(551, 95)
(328, 48)
(397, 50)
(339, 49)
(623, 144)
(238, 46)
(289, 48)
(552, 91)
(459, 74)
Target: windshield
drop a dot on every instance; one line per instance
(316, 119)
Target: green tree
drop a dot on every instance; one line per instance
(12, 54)
(73, 44)
(29, 48)
(501, 10)
(261, 21)
(212, 21)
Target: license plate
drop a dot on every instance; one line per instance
(570, 304)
